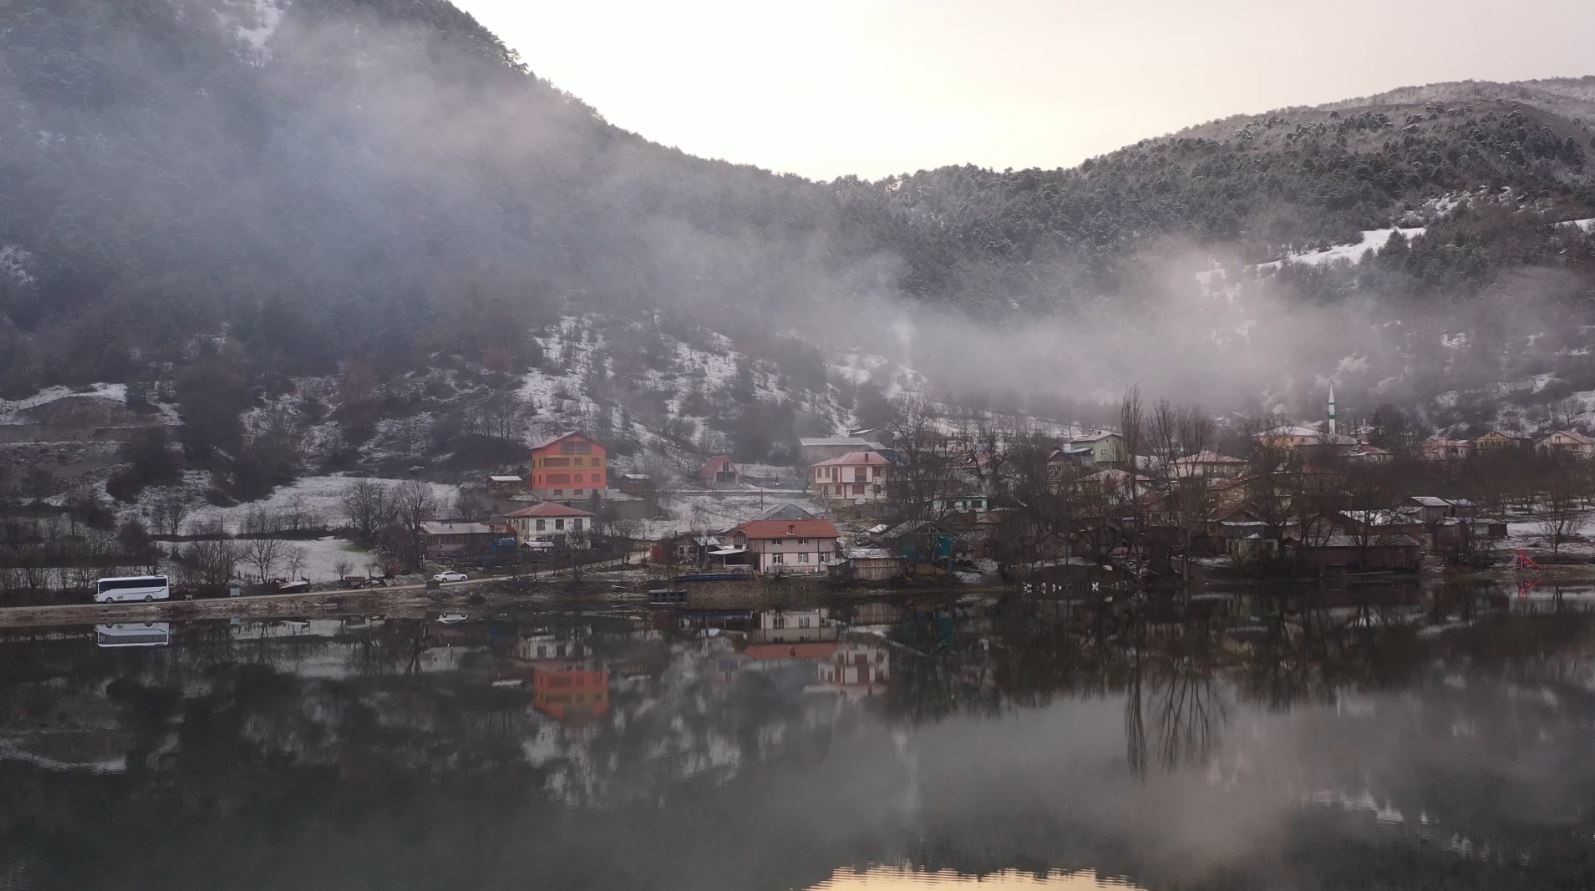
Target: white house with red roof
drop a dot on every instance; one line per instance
(549, 521)
(855, 476)
(783, 547)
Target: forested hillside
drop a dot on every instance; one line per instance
(227, 196)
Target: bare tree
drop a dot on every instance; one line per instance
(262, 553)
(293, 558)
(367, 505)
(413, 504)
(341, 567)
(1566, 486)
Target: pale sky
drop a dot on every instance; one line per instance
(876, 87)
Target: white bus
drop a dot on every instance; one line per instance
(133, 587)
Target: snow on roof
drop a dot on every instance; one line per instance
(557, 437)
(547, 509)
(870, 554)
(822, 441)
(852, 458)
(770, 529)
(1430, 501)
(1095, 436)
(505, 479)
(456, 527)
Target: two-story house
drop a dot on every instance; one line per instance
(549, 521)
(1107, 447)
(569, 467)
(779, 547)
(855, 476)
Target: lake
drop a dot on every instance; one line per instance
(1385, 737)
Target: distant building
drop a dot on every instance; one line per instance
(1289, 437)
(1440, 449)
(1567, 442)
(448, 539)
(550, 521)
(823, 448)
(868, 565)
(720, 472)
(569, 467)
(778, 547)
(1107, 447)
(855, 476)
(1207, 464)
(1496, 441)
(506, 485)
(637, 485)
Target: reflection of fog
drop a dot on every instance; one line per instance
(1133, 740)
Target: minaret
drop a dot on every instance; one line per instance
(1331, 409)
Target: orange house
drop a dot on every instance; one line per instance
(569, 467)
(571, 692)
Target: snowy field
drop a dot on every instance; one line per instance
(717, 511)
(11, 409)
(316, 496)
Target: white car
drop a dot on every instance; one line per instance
(450, 576)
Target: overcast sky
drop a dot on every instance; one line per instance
(870, 87)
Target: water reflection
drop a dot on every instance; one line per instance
(1261, 740)
(908, 879)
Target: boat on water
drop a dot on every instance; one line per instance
(454, 618)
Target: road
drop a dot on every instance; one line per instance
(106, 613)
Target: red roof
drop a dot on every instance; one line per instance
(556, 438)
(855, 458)
(766, 529)
(548, 509)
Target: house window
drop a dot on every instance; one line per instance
(559, 523)
(595, 477)
(556, 462)
(804, 558)
(858, 488)
(777, 558)
(875, 472)
(776, 542)
(579, 492)
(559, 491)
(577, 524)
(576, 448)
(803, 621)
(542, 524)
(860, 474)
(779, 621)
(803, 541)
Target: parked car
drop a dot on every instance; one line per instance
(450, 575)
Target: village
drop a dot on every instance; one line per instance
(919, 502)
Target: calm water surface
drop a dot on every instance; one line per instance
(1374, 740)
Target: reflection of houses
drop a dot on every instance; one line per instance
(569, 467)
(551, 522)
(453, 539)
(779, 547)
(793, 626)
(857, 669)
(720, 472)
(573, 692)
(855, 476)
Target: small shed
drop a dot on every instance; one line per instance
(872, 565)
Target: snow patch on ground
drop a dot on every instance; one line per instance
(11, 408)
(1372, 240)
